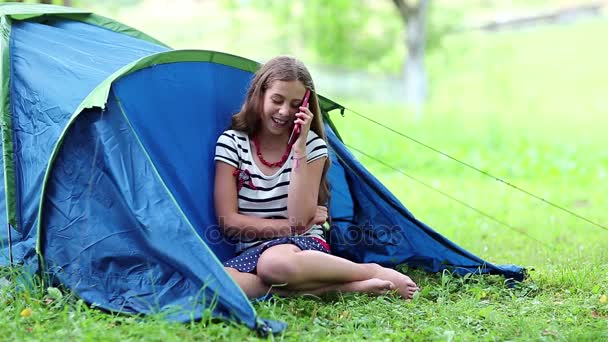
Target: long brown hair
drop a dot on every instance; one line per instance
(281, 68)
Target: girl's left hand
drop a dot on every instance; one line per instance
(320, 216)
(304, 119)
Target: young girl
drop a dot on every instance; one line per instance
(270, 196)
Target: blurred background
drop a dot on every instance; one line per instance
(516, 88)
(357, 47)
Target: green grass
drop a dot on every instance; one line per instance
(551, 144)
(528, 107)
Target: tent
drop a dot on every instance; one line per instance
(108, 139)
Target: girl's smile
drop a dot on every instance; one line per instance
(279, 123)
(281, 103)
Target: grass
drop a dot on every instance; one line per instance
(528, 107)
(550, 144)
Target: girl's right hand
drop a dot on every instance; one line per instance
(303, 118)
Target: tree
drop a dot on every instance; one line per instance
(414, 18)
(378, 35)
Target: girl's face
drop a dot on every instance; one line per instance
(281, 103)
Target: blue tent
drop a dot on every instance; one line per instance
(108, 140)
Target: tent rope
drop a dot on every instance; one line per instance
(451, 197)
(480, 171)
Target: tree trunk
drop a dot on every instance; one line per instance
(414, 19)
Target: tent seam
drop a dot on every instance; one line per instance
(25, 12)
(7, 127)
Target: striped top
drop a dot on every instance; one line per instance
(268, 196)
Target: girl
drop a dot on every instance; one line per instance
(270, 195)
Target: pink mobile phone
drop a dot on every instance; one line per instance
(296, 128)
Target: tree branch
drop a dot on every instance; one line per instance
(405, 10)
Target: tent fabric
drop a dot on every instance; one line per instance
(112, 144)
(110, 222)
(43, 13)
(189, 113)
(54, 65)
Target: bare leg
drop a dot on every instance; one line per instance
(371, 286)
(306, 270)
(254, 287)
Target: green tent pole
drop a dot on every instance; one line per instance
(10, 245)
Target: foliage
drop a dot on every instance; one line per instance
(351, 34)
(335, 33)
(359, 35)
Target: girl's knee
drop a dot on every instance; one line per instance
(231, 270)
(276, 268)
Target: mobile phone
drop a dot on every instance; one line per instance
(296, 128)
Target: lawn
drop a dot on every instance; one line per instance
(528, 107)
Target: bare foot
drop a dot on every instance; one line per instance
(371, 286)
(404, 284)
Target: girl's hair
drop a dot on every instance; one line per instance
(281, 68)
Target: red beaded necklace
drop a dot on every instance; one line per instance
(256, 142)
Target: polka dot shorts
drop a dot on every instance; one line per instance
(247, 261)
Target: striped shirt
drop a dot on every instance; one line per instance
(268, 196)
